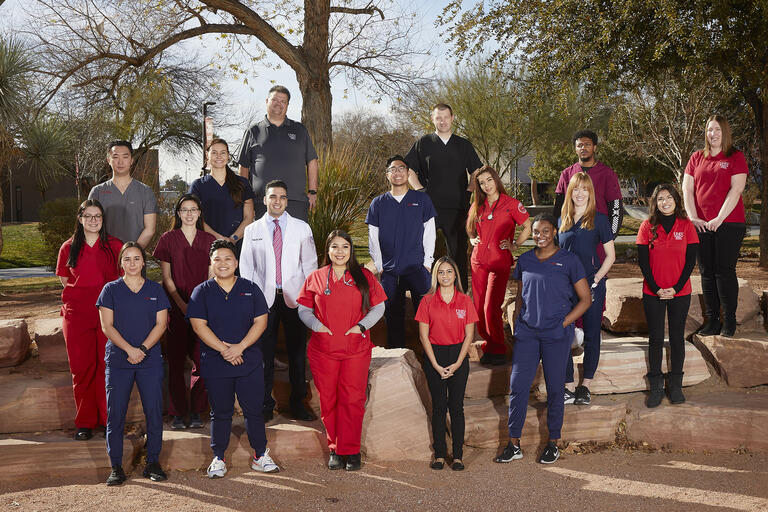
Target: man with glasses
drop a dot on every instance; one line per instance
(401, 240)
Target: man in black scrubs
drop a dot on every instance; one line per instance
(440, 163)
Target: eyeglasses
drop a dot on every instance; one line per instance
(91, 217)
(185, 211)
(399, 168)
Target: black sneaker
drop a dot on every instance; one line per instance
(178, 423)
(583, 396)
(568, 397)
(353, 462)
(117, 476)
(195, 421)
(510, 453)
(154, 472)
(550, 454)
(83, 434)
(335, 461)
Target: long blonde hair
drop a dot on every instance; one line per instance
(568, 211)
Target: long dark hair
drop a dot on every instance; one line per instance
(352, 265)
(232, 181)
(726, 146)
(654, 215)
(177, 217)
(479, 196)
(135, 245)
(78, 238)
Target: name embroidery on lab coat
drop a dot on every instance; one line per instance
(461, 313)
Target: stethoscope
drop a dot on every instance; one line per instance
(490, 217)
(328, 280)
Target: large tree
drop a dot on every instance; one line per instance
(89, 41)
(626, 43)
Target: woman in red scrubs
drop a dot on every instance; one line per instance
(446, 328)
(340, 302)
(183, 254)
(86, 262)
(491, 225)
(666, 252)
(712, 186)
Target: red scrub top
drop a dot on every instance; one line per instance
(189, 263)
(446, 320)
(95, 267)
(712, 181)
(506, 214)
(667, 258)
(338, 311)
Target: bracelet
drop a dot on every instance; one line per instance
(142, 348)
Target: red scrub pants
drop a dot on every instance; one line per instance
(182, 343)
(85, 350)
(488, 290)
(341, 384)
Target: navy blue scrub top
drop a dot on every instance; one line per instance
(584, 242)
(548, 293)
(219, 210)
(135, 315)
(230, 317)
(401, 229)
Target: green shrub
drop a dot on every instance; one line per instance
(347, 184)
(57, 223)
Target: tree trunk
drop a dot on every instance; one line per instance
(315, 82)
(761, 121)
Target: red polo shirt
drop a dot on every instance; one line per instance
(712, 181)
(446, 321)
(667, 258)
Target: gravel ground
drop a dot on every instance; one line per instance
(611, 479)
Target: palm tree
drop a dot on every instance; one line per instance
(15, 67)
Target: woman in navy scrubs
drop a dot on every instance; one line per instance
(183, 255)
(666, 250)
(582, 231)
(229, 314)
(134, 315)
(551, 294)
(340, 302)
(446, 328)
(226, 197)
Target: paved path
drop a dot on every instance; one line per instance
(16, 273)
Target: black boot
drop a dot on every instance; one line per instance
(729, 327)
(656, 390)
(711, 327)
(675, 388)
(353, 462)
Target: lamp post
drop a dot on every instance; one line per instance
(205, 114)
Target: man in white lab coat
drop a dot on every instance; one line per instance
(278, 254)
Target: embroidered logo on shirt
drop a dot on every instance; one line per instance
(724, 165)
(413, 204)
(292, 136)
(247, 294)
(461, 313)
(521, 208)
(678, 235)
(558, 264)
(151, 298)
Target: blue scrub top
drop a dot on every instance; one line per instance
(219, 210)
(230, 317)
(584, 242)
(401, 229)
(548, 293)
(135, 315)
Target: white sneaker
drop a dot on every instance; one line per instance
(265, 464)
(217, 469)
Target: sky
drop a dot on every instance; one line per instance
(251, 98)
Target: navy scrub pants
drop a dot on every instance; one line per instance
(552, 347)
(119, 383)
(593, 321)
(250, 395)
(417, 281)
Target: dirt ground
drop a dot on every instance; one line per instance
(612, 479)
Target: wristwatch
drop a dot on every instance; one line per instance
(143, 348)
(235, 238)
(312, 192)
(362, 328)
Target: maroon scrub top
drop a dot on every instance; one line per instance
(189, 263)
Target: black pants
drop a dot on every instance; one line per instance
(655, 311)
(417, 281)
(296, 342)
(447, 395)
(453, 225)
(718, 253)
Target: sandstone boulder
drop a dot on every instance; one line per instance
(741, 362)
(487, 381)
(624, 363)
(51, 349)
(35, 403)
(57, 455)
(14, 342)
(709, 421)
(396, 424)
(486, 422)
